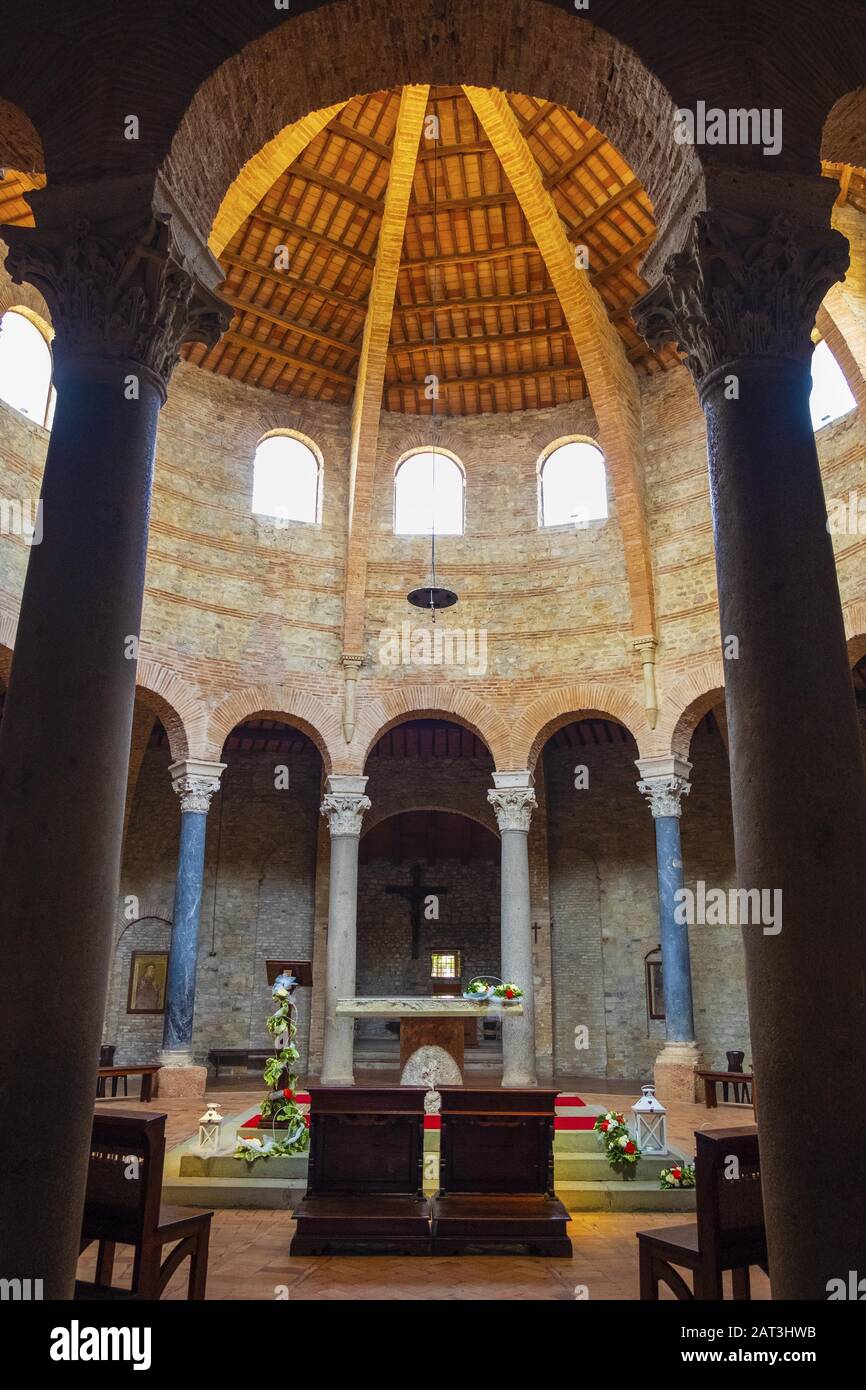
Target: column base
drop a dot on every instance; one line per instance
(337, 1080)
(181, 1080)
(515, 1081)
(674, 1072)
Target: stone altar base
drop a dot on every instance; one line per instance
(436, 1040)
(674, 1073)
(180, 1081)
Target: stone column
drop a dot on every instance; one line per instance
(740, 300)
(195, 784)
(513, 800)
(664, 782)
(123, 297)
(344, 806)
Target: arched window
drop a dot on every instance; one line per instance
(428, 495)
(831, 394)
(286, 479)
(25, 368)
(573, 484)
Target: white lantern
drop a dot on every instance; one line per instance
(209, 1129)
(650, 1126)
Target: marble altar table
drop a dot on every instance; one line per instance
(431, 1029)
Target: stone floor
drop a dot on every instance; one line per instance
(249, 1249)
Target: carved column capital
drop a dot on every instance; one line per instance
(130, 293)
(742, 288)
(344, 804)
(664, 782)
(513, 800)
(196, 783)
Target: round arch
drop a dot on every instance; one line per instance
(287, 432)
(178, 706)
(301, 710)
(372, 820)
(687, 702)
(534, 47)
(433, 702)
(534, 726)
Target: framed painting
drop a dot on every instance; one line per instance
(655, 989)
(147, 977)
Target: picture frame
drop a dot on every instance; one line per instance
(655, 989)
(148, 975)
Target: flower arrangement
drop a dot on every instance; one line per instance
(509, 991)
(680, 1175)
(280, 1102)
(621, 1150)
(477, 989)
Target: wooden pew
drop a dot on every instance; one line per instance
(147, 1071)
(496, 1174)
(123, 1207)
(364, 1183)
(729, 1232)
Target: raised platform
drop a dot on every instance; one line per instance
(582, 1178)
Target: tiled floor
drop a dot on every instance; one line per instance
(249, 1249)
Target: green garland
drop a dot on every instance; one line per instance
(280, 1104)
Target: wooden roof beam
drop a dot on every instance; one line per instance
(610, 379)
(260, 173)
(285, 224)
(367, 404)
(288, 359)
(242, 306)
(292, 282)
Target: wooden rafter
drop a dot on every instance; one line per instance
(610, 380)
(367, 404)
(261, 172)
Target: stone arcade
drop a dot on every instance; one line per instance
(296, 310)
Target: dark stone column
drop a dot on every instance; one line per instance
(122, 302)
(195, 784)
(664, 783)
(740, 300)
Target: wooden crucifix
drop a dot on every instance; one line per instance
(416, 896)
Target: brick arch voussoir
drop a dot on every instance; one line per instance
(306, 712)
(535, 724)
(686, 703)
(433, 702)
(372, 45)
(179, 707)
(378, 815)
(855, 630)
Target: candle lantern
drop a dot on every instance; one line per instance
(650, 1125)
(209, 1129)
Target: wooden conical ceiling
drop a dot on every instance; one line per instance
(502, 338)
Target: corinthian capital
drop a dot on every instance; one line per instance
(128, 293)
(664, 782)
(742, 288)
(513, 800)
(344, 804)
(195, 783)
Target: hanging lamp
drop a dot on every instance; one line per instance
(433, 596)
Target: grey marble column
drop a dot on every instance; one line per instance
(344, 806)
(513, 800)
(664, 782)
(195, 783)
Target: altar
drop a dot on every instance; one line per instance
(431, 1029)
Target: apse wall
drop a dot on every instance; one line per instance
(233, 601)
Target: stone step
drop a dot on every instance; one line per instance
(271, 1194)
(624, 1196)
(226, 1167)
(594, 1167)
(574, 1141)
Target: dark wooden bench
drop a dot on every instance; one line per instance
(743, 1083)
(146, 1071)
(237, 1056)
(729, 1232)
(364, 1181)
(123, 1207)
(496, 1175)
